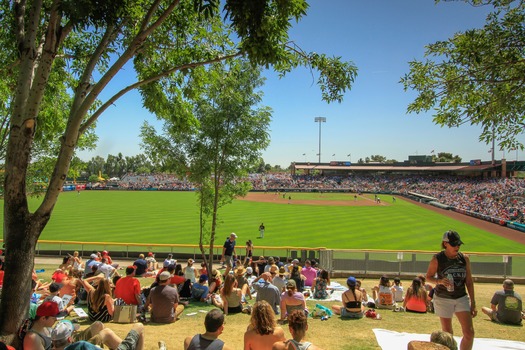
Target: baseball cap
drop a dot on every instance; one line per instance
(249, 270)
(55, 287)
(351, 281)
(105, 252)
(203, 278)
(150, 254)
(291, 284)
(49, 308)
(63, 330)
(93, 256)
(166, 263)
(165, 275)
(295, 261)
(452, 237)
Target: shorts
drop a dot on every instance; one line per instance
(228, 260)
(349, 314)
(446, 308)
(130, 342)
(85, 335)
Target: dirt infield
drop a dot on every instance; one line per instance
(273, 198)
(501, 231)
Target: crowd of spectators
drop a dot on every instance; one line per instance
(502, 199)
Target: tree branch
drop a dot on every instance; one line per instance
(138, 84)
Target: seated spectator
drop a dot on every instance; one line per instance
(70, 285)
(215, 282)
(65, 266)
(297, 325)
(190, 273)
(291, 300)
(109, 261)
(430, 291)
(177, 279)
(38, 336)
(99, 301)
(310, 273)
(58, 275)
(91, 264)
(263, 331)
(297, 276)
(63, 337)
(321, 284)
(78, 265)
(416, 299)
(267, 291)
(214, 325)
(352, 301)
(505, 306)
(152, 262)
(199, 290)
(241, 279)
(382, 294)
(169, 260)
(444, 338)
(366, 297)
(107, 270)
(54, 289)
(163, 301)
(128, 288)
(280, 280)
(204, 269)
(397, 289)
(230, 297)
(142, 267)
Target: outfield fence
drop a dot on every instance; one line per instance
(340, 262)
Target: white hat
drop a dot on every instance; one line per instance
(249, 270)
(63, 330)
(233, 234)
(93, 256)
(164, 276)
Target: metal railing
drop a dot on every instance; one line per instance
(338, 261)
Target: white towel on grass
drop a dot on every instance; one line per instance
(399, 341)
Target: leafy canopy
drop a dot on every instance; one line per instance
(476, 77)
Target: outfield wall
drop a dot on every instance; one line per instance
(372, 263)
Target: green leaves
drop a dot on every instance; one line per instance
(476, 77)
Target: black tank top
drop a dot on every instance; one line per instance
(457, 268)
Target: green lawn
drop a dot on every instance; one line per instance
(172, 218)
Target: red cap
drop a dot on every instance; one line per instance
(49, 308)
(150, 254)
(105, 252)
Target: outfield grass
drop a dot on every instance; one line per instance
(172, 218)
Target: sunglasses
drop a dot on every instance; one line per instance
(454, 244)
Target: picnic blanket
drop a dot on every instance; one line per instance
(336, 290)
(399, 341)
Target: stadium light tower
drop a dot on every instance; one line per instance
(320, 120)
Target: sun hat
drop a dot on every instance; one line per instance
(282, 271)
(233, 234)
(240, 271)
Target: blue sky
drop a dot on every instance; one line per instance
(380, 37)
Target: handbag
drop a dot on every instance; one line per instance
(125, 314)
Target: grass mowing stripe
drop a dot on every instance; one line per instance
(172, 217)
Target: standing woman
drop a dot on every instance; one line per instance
(450, 271)
(249, 253)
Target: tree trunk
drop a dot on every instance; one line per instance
(23, 231)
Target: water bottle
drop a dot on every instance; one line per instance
(450, 278)
(40, 271)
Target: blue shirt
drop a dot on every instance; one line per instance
(229, 246)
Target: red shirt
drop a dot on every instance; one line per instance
(127, 288)
(177, 280)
